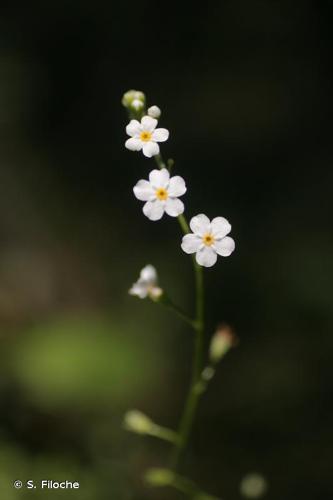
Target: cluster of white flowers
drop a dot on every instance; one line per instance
(161, 195)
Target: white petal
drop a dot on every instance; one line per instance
(143, 190)
(148, 123)
(224, 247)
(191, 243)
(220, 227)
(159, 178)
(149, 274)
(139, 290)
(200, 224)
(174, 207)
(150, 149)
(206, 257)
(133, 128)
(154, 210)
(161, 135)
(176, 186)
(133, 144)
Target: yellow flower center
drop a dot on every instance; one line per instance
(208, 239)
(162, 194)
(145, 136)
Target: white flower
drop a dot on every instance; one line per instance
(145, 136)
(147, 284)
(209, 239)
(161, 194)
(154, 111)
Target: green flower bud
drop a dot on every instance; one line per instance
(159, 477)
(138, 422)
(137, 105)
(133, 96)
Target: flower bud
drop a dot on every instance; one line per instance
(138, 422)
(159, 477)
(253, 485)
(154, 112)
(208, 373)
(137, 105)
(131, 96)
(155, 293)
(222, 341)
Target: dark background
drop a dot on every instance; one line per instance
(245, 89)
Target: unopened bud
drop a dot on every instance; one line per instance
(208, 373)
(131, 96)
(159, 477)
(137, 105)
(136, 421)
(253, 485)
(154, 112)
(155, 293)
(222, 341)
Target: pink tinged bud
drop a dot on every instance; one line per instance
(221, 342)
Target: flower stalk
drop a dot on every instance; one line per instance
(164, 477)
(205, 240)
(192, 400)
(137, 422)
(167, 302)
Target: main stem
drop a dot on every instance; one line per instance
(192, 400)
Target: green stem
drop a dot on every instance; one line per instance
(164, 477)
(164, 433)
(193, 397)
(200, 321)
(192, 400)
(189, 488)
(159, 160)
(167, 302)
(183, 224)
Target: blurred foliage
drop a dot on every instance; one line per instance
(84, 362)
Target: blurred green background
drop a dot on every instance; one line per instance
(245, 91)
